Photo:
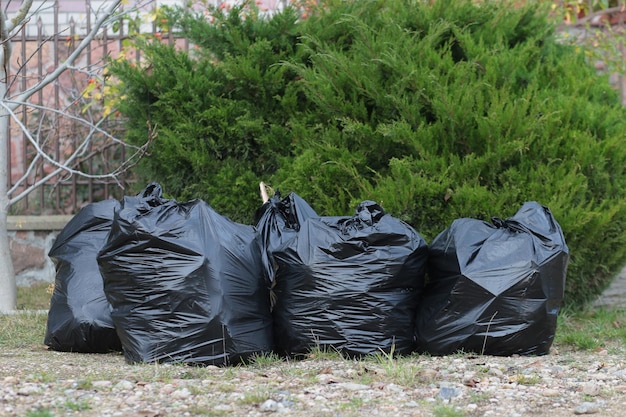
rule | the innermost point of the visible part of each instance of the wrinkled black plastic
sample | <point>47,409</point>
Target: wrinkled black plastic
<point>278,220</point>
<point>186,284</point>
<point>350,284</point>
<point>494,289</point>
<point>79,319</point>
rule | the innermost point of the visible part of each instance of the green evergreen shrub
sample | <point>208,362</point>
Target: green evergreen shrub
<point>221,110</point>
<point>436,112</point>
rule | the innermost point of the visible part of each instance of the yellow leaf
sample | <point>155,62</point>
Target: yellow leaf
<point>86,107</point>
<point>88,89</point>
<point>153,14</point>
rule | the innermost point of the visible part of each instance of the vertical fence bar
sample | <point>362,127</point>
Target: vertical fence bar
<point>23,86</point>
<point>40,170</point>
<point>73,131</point>
<point>89,51</point>
<point>105,53</point>
<point>8,144</point>
<point>120,46</point>
<point>57,98</point>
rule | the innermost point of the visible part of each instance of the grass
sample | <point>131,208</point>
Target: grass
<point>255,397</point>
<point>523,379</point>
<point>448,411</point>
<point>40,412</point>
<point>35,297</point>
<point>264,359</point>
<point>352,404</point>
<point>592,329</point>
<point>22,330</point>
<point>588,329</point>
<point>400,370</point>
<point>77,405</point>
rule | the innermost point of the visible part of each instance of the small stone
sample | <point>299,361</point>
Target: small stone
<point>124,385</point>
<point>471,407</point>
<point>351,386</point>
<point>448,393</point>
<point>147,413</point>
<point>269,406</point>
<point>181,394</point>
<point>10,380</point>
<point>327,378</point>
<point>246,375</point>
<point>132,399</point>
<point>427,374</point>
<point>591,389</point>
<point>222,407</point>
<point>28,390</point>
<point>101,384</point>
<point>587,408</point>
<point>557,370</point>
<point>550,392</point>
<point>167,389</point>
<point>393,388</point>
<point>620,374</point>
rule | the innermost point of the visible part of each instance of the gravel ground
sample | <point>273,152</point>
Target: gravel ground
<point>36,382</point>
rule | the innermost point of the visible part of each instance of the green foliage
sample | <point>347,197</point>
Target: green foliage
<point>222,114</point>
<point>436,112</point>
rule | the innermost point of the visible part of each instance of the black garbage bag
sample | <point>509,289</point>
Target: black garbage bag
<point>278,220</point>
<point>349,284</point>
<point>79,319</point>
<point>494,289</point>
<point>187,285</point>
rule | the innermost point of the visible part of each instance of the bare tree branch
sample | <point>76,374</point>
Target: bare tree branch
<point>74,158</point>
<point>66,167</point>
<point>52,76</point>
<point>61,112</point>
<point>63,165</point>
<point>132,161</point>
<point>20,17</point>
<point>5,52</point>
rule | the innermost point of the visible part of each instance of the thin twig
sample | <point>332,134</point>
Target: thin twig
<point>482,352</point>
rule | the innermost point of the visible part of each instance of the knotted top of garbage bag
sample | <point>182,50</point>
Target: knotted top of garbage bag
<point>368,213</point>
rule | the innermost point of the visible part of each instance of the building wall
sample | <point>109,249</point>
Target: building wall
<point>31,238</point>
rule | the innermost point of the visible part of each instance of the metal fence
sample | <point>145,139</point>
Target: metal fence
<point>54,114</point>
<point>39,49</point>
